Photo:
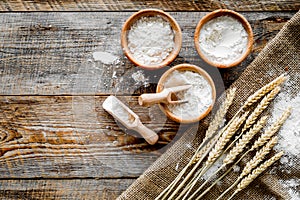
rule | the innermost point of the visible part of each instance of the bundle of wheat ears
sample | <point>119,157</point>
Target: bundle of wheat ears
<point>247,125</point>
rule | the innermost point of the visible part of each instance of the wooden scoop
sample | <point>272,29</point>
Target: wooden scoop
<point>128,118</point>
<point>166,96</point>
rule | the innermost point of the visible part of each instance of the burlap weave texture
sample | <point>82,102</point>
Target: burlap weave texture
<point>281,55</point>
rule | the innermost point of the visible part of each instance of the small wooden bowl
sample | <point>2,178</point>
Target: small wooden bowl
<point>150,13</point>
<point>215,14</point>
<point>186,67</point>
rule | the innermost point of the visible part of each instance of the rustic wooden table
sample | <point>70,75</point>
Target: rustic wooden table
<point>56,141</point>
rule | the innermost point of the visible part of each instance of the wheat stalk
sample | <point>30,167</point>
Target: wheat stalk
<point>205,149</point>
<point>216,123</point>
<point>223,140</point>
<point>259,156</point>
<point>227,133</point>
<point>247,180</point>
<point>219,116</point>
<point>271,130</point>
<point>213,139</point>
<point>235,151</point>
<point>246,138</point>
<point>216,152</point>
<point>264,90</point>
<point>260,108</point>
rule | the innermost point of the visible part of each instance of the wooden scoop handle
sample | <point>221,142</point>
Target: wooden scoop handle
<point>153,98</point>
<point>150,136</point>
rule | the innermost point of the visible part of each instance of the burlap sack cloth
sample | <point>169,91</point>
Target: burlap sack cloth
<point>279,56</point>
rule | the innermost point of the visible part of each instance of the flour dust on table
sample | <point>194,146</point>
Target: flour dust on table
<point>140,78</point>
<point>105,57</point>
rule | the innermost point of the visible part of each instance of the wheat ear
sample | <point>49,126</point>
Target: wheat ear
<point>223,140</point>
<point>260,108</point>
<point>247,180</point>
<point>220,115</point>
<point>264,90</point>
<point>246,138</point>
<point>259,156</point>
<point>236,150</point>
<point>216,152</point>
<point>205,149</point>
<point>216,123</point>
<point>271,130</point>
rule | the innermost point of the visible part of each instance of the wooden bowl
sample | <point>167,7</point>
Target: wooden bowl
<point>150,13</point>
<point>215,14</point>
<point>186,67</point>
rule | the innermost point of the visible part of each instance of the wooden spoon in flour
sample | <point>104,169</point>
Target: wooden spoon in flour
<point>128,118</point>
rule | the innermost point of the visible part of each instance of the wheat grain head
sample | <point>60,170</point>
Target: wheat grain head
<point>259,156</point>
<point>270,132</point>
<point>260,108</point>
<point>220,115</point>
<point>247,180</point>
<point>225,137</point>
<point>264,90</point>
<point>246,138</point>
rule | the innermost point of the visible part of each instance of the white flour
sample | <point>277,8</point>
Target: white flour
<point>105,57</point>
<point>112,104</point>
<point>291,186</point>
<point>289,135</point>
<point>150,40</point>
<point>139,78</point>
<point>223,40</point>
<point>199,96</point>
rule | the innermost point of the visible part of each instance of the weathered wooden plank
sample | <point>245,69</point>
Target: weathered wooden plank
<point>51,53</point>
<point>183,5</point>
<point>63,189</point>
<point>65,137</point>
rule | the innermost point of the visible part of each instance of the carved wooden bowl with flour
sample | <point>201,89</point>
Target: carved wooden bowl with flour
<point>151,39</point>
<point>198,99</point>
<point>223,38</point>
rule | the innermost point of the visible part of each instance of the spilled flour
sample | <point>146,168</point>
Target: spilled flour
<point>105,57</point>
<point>139,78</point>
<point>292,187</point>
<point>289,135</point>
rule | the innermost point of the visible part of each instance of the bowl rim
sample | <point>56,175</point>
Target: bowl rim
<point>186,67</point>
<point>215,14</point>
<point>152,12</point>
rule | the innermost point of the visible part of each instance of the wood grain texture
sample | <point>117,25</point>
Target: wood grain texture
<point>73,137</point>
<point>51,53</point>
<point>122,5</point>
<point>56,141</point>
<point>88,189</point>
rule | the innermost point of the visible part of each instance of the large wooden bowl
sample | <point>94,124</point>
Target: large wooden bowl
<point>186,67</point>
<point>215,14</point>
<point>150,13</point>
